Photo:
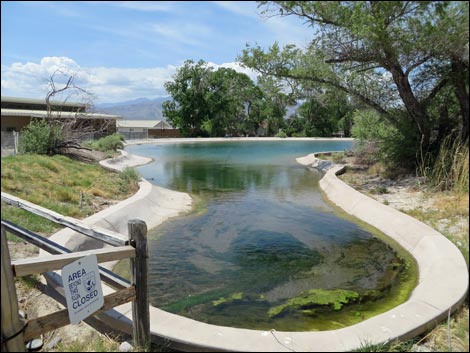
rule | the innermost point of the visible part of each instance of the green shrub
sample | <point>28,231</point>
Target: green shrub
<point>337,157</point>
<point>40,137</point>
<point>299,134</point>
<point>129,178</point>
<point>379,141</point>
<point>281,134</point>
<point>109,143</point>
<point>369,126</point>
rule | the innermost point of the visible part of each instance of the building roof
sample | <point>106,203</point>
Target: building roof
<point>54,114</point>
<point>41,101</point>
<point>148,124</point>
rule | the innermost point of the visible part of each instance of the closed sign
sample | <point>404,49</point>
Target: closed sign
<point>82,286</point>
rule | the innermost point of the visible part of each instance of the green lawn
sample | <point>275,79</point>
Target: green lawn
<point>66,186</point>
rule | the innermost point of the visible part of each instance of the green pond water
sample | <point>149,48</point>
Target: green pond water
<point>262,249</point>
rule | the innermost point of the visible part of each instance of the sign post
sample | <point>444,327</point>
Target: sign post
<point>82,286</point>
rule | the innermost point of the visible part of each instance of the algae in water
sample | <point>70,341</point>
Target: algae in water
<point>316,297</point>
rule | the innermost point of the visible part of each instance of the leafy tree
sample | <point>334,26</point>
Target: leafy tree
<point>267,107</point>
<point>408,60</point>
<point>229,94</point>
<point>223,102</point>
<point>326,112</point>
<point>189,107</point>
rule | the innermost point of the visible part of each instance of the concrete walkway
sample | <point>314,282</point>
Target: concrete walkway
<point>126,160</point>
<point>443,279</point>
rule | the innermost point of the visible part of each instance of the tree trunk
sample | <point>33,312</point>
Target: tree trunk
<point>459,74</point>
<point>412,105</point>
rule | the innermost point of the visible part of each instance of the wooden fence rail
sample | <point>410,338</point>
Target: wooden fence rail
<point>51,247</point>
<point>16,331</point>
<point>99,233</point>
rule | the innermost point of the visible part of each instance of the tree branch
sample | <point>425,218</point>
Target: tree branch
<point>358,95</point>
<point>416,64</point>
<point>435,91</point>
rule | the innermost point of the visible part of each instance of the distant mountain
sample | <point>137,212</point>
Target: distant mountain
<point>149,109</point>
<point>136,109</point>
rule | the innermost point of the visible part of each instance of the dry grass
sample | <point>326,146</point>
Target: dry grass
<point>94,342</point>
<point>450,169</point>
<point>439,340</point>
<point>452,204</point>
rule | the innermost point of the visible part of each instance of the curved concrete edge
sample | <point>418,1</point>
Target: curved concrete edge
<point>443,284</point>
<point>443,272</point>
<point>123,161</point>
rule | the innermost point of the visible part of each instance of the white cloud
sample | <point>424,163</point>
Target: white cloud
<point>289,30</point>
<point>147,6</point>
<point>107,84</point>
<point>185,33</point>
<point>237,67</point>
<point>247,9</point>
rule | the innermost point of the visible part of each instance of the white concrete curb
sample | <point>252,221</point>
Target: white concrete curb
<point>443,283</point>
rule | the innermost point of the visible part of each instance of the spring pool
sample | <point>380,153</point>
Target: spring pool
<point>262,249</point>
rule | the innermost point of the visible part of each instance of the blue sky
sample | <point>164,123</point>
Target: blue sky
<point>122,50</point>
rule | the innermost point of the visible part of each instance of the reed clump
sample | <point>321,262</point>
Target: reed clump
<point>449,170</point>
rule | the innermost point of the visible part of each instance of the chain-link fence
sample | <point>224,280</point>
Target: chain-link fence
<point>10,140</point>
<point>133,135</point>
<point>91,136</point>
<point>9,143</point>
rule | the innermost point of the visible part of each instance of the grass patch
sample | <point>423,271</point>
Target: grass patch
<point>394,346</point>
<point>129,178</point>
<point>66,186</point>
<point>450,169</point>
<point>109,144</point>
<point>30,281</point>
<point>458,340</point>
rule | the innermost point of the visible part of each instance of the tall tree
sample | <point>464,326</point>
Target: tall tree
<point>229,94</point>
<point>189,107</point>
<point>272,104</point>
<point>222,102</point>
<point>393,56</point>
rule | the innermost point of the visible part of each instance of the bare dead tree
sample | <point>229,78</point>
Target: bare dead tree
<point>73,125</point>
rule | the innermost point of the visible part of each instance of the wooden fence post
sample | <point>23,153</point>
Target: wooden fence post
<point>140,307</point>
<point>12,335</point>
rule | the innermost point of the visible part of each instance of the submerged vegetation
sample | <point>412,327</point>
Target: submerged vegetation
<point>308,301</point>
<point>233,297</point>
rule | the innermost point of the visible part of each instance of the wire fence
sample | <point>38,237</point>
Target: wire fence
<point>9,143</point>
<point>10,140</point>
<point>134,135</point>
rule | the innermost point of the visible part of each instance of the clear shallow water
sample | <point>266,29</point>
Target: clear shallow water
<point>261,236</point>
